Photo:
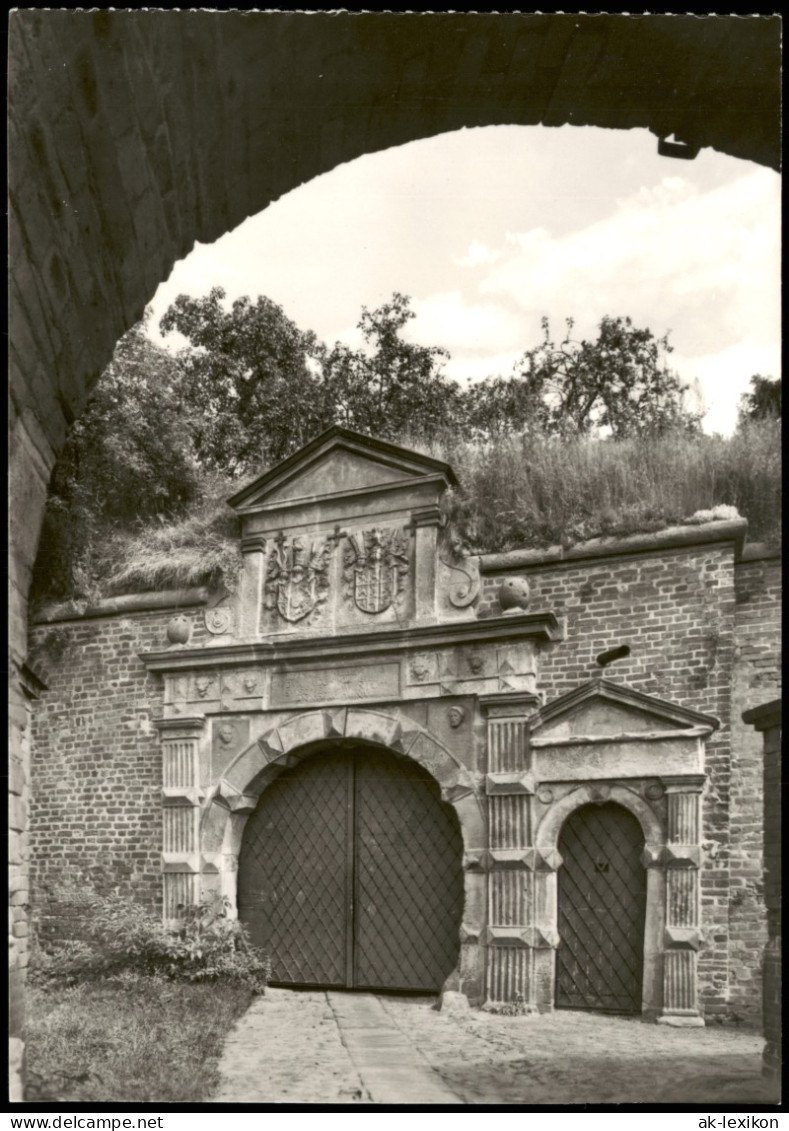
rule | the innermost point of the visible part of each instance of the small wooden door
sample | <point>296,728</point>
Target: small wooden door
<point>602,905</point>
<point>351,874</point>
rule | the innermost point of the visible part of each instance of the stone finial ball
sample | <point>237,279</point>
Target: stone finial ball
<point>179,629</point>
<point>514,594</point>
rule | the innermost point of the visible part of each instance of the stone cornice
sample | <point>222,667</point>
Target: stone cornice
<point>540,627</point>
<point>764,717</point>
<point>173,599</point>
<point>623,736</point>
<point>673,537</point>
<point>192,725</point>
<point>676,716</point>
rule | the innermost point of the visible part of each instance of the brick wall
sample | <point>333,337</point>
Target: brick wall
<point>756,678</point>
<point>96,775</point>
<point>766,718</point>
<point>96,815</point>
<point>771,983</point>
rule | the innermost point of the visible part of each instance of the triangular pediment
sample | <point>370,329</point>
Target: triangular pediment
<point>339,463</point>
<point>602,708</point>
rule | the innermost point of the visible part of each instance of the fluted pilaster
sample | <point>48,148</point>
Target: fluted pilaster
<point>180,813</point>
<point>511,936</point>
<point>682,857</point>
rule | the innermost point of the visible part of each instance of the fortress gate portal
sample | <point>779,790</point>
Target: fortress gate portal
<point>365,766</point>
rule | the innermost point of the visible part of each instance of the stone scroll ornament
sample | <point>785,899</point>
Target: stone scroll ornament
<point>462,594</point>
<point>297,578</point>
<point>375,568</point>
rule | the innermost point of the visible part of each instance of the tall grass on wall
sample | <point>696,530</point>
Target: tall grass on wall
<point>534,490</point>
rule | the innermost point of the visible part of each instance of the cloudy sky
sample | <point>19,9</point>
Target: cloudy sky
<point>490,229</point>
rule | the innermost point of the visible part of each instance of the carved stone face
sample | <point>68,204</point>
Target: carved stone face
<point>203,685</point>
<point>456,716</point>
<point>250,683</point>
<point>476,662</point>
<point>226,734</point>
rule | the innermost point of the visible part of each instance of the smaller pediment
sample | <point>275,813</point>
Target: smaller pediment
<point>601,708</point>
<point>337,464</point>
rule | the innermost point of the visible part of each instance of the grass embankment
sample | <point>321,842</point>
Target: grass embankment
<point>132,1039</point>
<point>532,491</point>
<point>518,491</point>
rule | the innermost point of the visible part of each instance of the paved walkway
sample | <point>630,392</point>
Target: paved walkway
<point>315,1047</point>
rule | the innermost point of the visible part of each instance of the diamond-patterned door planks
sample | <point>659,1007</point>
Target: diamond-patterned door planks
<point>409,878</point>
<point>294,890</point>
<point>602,903</point>
<point>351,875</point>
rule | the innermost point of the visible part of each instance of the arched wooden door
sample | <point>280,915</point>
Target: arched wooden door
<point>602,904</point>
<point>350,874</point>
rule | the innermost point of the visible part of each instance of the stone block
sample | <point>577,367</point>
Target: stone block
<point>302,731</point>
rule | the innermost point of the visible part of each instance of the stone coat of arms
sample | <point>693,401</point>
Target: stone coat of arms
<point>297,578</point>
<point>375,568</point>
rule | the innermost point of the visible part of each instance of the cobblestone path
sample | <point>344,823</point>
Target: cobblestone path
<point>342,1048</point>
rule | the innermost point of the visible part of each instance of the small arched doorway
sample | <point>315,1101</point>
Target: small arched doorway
<point>350,874</point>
<point>601,911</point>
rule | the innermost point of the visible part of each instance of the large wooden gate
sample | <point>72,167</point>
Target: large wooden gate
<point>351,874</point>
<point>602,903</point>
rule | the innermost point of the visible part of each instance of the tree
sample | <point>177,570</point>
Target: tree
<point>618,385</point>
<point>250,376</point>
<point>763,402</point>
<point>129,457</point>
<point>394,386</point>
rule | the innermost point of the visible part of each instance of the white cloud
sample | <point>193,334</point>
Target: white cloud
<point>702,264</point>
<point>469,368</point>
<point>477,255</point>
<point>448,320</point>
<point>725,376</point>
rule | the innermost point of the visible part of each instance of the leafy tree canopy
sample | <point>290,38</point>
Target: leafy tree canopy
<point>392,386</point>
<point>129,457</point>
<point>618,384</point>
<point>763,401</point>
<point>248,375</point>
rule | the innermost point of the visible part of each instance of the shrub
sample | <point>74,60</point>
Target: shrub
<point>122,937</point>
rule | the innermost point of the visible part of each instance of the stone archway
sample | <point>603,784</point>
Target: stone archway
<point>236,795</point>
<point>350,872</point>
<point>133,134</point>
<point>547,842</point>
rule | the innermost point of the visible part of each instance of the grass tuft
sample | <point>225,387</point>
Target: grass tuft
<point>200,549</point>
<point>130,1039</point>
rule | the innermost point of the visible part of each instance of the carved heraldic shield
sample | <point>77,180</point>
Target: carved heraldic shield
<point>376,564</point>
<point>297,577</point>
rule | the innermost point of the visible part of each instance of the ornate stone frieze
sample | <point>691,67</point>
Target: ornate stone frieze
<point>297,578</point>
<point>375,567</point>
